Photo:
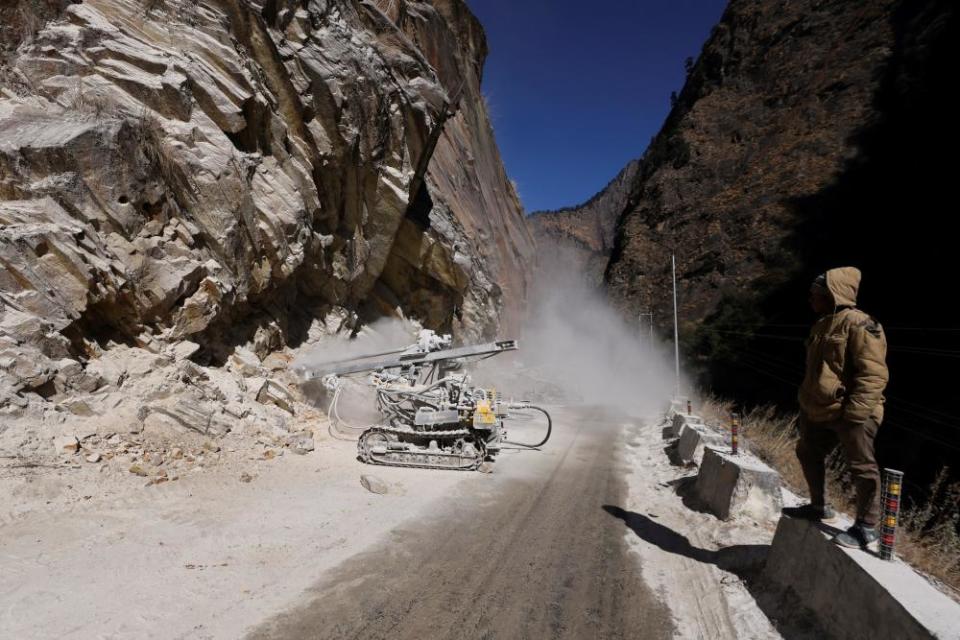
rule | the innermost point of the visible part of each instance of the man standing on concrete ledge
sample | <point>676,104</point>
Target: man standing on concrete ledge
<point>841,400</point>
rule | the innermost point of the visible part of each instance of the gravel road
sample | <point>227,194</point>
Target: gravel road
<point>529,552</point>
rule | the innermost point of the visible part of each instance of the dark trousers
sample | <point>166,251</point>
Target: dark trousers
<point>818,439</point>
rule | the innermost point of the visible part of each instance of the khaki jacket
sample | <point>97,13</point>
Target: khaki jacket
<point>846,370</point>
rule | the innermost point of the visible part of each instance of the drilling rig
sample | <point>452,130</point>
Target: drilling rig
<point>431,414</point>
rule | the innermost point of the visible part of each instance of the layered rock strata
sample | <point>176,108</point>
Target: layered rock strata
<point>235,172</point>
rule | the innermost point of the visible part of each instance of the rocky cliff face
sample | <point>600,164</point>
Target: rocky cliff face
<point>241,174</point>
<point>808,135</point>
<point>468,210</point>
<point>586,232</point>
<point>767,116</point>
<point>781,155</point>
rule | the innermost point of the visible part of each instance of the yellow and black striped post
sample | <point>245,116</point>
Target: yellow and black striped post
<point>734,433</point>
<point>890,499</point>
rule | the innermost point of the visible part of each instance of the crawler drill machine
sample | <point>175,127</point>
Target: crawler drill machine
<point>432,416</point>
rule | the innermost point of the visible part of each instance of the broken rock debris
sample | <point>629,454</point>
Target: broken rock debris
<point>373,484</point>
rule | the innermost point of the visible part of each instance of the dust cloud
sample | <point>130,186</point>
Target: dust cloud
<point>385,334</point>
<point>576,349</point>
<point>356,405</point>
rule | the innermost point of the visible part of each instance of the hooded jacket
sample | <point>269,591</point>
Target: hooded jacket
<point>846,371</point>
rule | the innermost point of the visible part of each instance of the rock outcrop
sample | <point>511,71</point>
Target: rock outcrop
<point>767,116</point>
<point>586,232</point>
<point>808,135</point>
<point>789,105</point>
<point>237,173</point>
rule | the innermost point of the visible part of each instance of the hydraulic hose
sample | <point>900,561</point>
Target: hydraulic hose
<point>545,438</point>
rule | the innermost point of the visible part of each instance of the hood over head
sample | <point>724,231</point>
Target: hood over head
<point>843,284</point>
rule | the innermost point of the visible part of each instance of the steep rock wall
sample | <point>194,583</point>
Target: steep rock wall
<point>468,208</point>
<point>234,172</point>
<point>586,232</point>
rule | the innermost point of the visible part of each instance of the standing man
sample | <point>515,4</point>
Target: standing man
<point>841,400</point>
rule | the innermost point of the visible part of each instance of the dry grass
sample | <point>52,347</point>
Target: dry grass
<point>929,534</point>
<point>151,137</point>
<point>86,101</point>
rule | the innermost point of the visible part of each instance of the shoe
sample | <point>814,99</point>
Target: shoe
<point>859,536</point>
<point>812,512</point>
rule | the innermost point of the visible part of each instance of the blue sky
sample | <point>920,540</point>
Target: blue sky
<point>577,89</point>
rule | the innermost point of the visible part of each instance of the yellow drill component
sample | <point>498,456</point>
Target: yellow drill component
<point>484,414</point>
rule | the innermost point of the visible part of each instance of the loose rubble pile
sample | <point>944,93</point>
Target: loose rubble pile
<point>159,415</point>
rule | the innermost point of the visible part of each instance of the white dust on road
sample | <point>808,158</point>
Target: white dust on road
<point>677,556</point>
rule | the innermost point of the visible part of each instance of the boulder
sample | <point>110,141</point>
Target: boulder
<point>67,444</point>
<point>245,361</point>
<point>373,484</point>
<point>272,392</point>
<point>301,443</point>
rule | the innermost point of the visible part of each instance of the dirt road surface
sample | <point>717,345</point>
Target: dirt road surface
<point>528,552</point>
<point>303,550</point>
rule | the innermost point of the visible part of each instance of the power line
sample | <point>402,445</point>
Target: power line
<point>895,425</point>
<point>906,349</point>
<point>792,366</point>
<point>771,365</point>
<point>901,409</point>
<point>755,335</point>
<point>921,407</point>
<point>770,373</point>
<point>926,436</point>
<point>925,351</point>
<point>807,326</point>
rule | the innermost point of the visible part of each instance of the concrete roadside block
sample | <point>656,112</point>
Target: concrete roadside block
<point>853,593</point>
<point>677,405</point>
<point>693,439</point>
<point>679,420</point>
<point>731,485</point>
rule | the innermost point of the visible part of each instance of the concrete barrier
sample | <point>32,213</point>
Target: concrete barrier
<point>693,439</point>
<point>679,420</point>
<point>677,405</point>
<point>731,485</point>
<point>854,594</point>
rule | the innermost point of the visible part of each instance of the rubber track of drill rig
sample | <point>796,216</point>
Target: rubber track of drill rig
<point>369,459</point>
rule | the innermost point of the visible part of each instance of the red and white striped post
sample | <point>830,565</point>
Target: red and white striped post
<point>689,408</point>
<point>890,499</point>
<point>734,433</point>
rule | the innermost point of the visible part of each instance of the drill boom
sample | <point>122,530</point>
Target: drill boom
<point>403,360</point>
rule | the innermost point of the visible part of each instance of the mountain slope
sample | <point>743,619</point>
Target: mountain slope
<point>808,135</point>
<point>586,232</point>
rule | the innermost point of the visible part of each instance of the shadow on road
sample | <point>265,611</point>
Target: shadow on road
<point>744,558</point>
<point>745,561</point>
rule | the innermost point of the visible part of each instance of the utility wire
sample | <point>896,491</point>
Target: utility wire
<point>899,404</point>
<point>920,407</point>
<point>807,326</point>
<point>770,373</point>
<point>906,349</point>
<point>769,369</point>
<point>767,366</point>
<point>926,436</point>
<point>755,335</point>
